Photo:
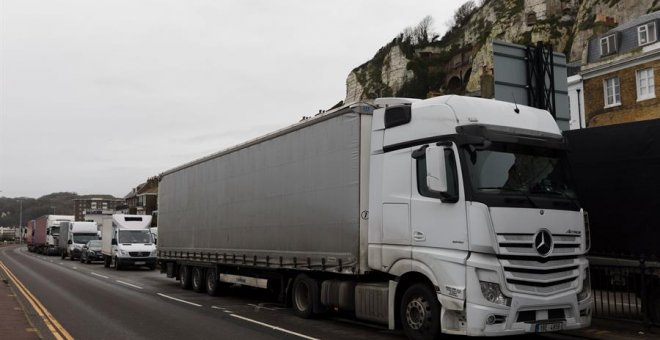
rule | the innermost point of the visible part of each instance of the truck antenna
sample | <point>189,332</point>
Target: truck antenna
<point>516,110</point>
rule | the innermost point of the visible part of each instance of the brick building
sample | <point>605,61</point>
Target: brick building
<point>81,205</point>
<point>143,199</point>
<point>622,68</point>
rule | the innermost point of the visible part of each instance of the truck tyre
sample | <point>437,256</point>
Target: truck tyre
<point>305,296</point>
<point>81,259</point>
<point>117,265</point>
<point>198,279</point>
<point>419,312</point>
<point>63,254</point>
<point>213,286</point>
<point>106,261</point>
<point>185,277</point>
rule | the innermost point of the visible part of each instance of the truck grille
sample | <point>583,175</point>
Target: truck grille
<point>139,253</point>
<point>523,244</point>
<point>525,271</point>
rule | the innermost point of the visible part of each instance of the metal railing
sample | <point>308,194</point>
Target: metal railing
<point>623,291</point>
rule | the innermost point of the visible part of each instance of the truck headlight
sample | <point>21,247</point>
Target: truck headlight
<point>493,293</point>
<point>586,287</point>
<point>121,252</point>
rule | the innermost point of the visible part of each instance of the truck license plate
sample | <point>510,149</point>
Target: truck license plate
<point>139,263</point>
<point>548,327</point>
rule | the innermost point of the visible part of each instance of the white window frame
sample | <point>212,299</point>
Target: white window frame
<point>616,92</point>
<point>649,32</point>
<point>610,49</point>
<point>650,84</point>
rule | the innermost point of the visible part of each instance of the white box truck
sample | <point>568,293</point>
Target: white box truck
<point>74,235</point>
<point>445,215</point>
<point>127,241</point>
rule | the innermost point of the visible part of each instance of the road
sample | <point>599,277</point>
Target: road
<point>93,302</point>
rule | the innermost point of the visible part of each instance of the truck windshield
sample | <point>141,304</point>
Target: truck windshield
<point>134,236</point>
<point>514,169</point>
<point>84,238</point>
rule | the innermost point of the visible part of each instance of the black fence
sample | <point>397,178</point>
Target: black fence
<point>626,292</point>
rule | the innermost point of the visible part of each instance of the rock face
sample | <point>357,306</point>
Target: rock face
<point>456,62</point>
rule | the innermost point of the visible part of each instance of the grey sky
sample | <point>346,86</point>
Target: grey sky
<point>97,96</point>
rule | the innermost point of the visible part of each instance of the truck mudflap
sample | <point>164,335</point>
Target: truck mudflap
<point>529,314</point>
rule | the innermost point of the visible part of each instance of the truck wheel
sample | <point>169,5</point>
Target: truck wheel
<point>81,259</point>
<point>198,279</point>
<point>185,277</point>
<point>305,297</point>
<point>72,258</point>
<point>117,265</point>
<point>63,254</point>
<point>106,261</point>
<point>420,312</point>
<point>213,286</point>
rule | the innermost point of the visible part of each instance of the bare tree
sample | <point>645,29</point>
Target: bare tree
<point>464,12</point>
<point>420,34</point>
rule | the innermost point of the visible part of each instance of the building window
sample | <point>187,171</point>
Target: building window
<point>646,33</point>
<point>612,92</point>
<point>93,205</point>
<point>645,84</point>
<point>608,45</point>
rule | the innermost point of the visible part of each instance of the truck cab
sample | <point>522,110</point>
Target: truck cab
<point>74,235</point>
<point>127,241</point>
<point>471,209</point>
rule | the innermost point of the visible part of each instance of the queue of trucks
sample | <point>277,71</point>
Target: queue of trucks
<point>449,215</point>
<point>127,240</point>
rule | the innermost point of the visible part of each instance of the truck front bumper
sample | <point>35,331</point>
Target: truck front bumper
<point>137,261</point>
<point>529,314</point>
<point>525,312</point>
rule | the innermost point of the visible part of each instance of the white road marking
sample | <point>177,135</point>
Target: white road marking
<point>62,263</point>
<point>75,267</point>
<point>99,275</point>
<point>129,284</point>
<point>175,299</point>
<point>259,306</point>
<point>227,311</point>
<point>273,327</point>
<point>216,307</point>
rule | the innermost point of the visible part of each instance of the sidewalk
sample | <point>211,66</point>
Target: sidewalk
<point>616,330</point>
<point>14,323</point>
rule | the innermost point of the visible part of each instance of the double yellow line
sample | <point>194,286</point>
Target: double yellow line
<point>58,331</point>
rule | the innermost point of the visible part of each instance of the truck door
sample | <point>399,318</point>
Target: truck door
<point>439,222</point>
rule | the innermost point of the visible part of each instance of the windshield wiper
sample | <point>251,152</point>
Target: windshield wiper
<point>523,192</point>
<point>556,192</point>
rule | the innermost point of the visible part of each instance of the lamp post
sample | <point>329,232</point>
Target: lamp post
<point>20,221</point>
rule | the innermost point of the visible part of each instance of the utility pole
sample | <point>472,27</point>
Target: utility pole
<point>20,222</point>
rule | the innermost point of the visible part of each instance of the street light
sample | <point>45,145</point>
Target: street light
<point>20,222</point>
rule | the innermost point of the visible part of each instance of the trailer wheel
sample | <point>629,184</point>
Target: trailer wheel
<point>106,261</point>
<point>305,296</point>
<point>213,286</point>
<point>198,279</point>
<point>420,312</point>
<point>185,277</point>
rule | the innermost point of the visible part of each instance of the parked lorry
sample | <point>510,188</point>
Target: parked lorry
<point>445,215</point>
<point>127,241</point>
<point>73,236</point>
<point>617,175</point>
<point>47,232</point>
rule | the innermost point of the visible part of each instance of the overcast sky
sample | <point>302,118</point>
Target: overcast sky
<point>97,96</point>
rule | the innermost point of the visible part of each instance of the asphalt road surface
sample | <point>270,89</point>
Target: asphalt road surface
<point>93,302</point>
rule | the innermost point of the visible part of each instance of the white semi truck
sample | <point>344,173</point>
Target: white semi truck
<point>74,235</point>
<point>127,241</point>
<point>446,215</point>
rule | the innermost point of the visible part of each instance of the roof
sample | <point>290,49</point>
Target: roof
<point>635,22</point>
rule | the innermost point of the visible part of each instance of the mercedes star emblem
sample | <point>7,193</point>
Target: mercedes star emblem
<point>543,242</point>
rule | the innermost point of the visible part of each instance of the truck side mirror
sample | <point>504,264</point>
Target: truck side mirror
<point>114,242</point>
<point>436,179</point>
<point>69,242</point>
